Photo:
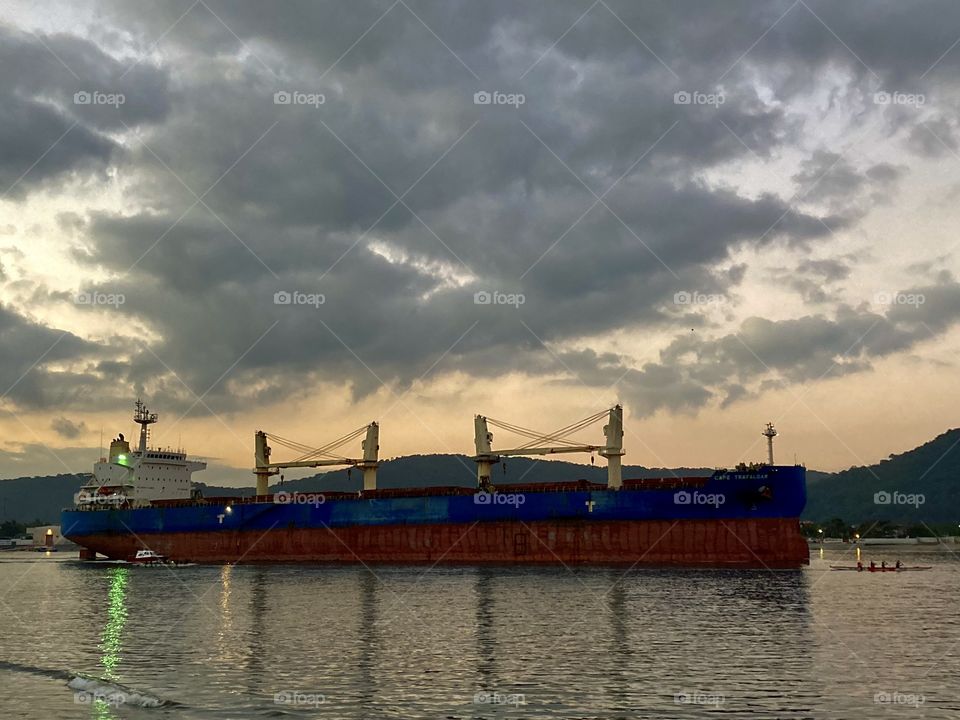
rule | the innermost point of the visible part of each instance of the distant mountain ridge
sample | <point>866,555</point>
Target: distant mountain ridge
<point>931,470</point>
<point>883,491</point>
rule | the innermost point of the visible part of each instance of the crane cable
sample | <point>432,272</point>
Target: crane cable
<point>558,436</point>
<point>309,453</point>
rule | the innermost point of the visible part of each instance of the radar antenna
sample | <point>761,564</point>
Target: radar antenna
<point>144,418</point>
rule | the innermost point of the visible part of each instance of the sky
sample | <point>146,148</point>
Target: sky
<point>304,217</point>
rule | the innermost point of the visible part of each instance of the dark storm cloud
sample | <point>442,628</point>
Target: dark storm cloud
<point>829,270</point>
<point>798,350</point>
<point>30,352</point>
<point>934,138</point>
<point>816,280</point>
<point>58,95</point>
<point>834,181</point>
<point>589,199</point>
<point>66,428</point>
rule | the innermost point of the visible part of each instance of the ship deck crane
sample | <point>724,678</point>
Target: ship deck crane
<point>552,443</point>
<point>319,457</point>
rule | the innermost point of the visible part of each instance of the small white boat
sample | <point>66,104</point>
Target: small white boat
<point>148,557</point>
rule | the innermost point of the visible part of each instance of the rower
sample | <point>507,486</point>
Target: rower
<point>859,565</point>
<point>899,565</point>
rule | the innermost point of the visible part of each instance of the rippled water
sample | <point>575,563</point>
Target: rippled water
<point>307,641</point>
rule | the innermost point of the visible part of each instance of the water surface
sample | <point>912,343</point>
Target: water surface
<point>351,642</point>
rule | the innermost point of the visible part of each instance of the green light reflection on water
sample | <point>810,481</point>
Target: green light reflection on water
<point>112,638</point>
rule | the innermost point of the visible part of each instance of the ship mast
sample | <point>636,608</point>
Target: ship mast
<point>770,433</point>
<point>143,418</point>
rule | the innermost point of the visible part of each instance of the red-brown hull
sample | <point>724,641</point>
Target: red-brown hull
<point>759,543</point>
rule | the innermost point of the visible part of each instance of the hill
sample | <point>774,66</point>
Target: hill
<point>26,499</point>
<point>920,485</point>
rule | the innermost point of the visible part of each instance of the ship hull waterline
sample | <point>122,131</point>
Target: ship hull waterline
<point>774,543</point>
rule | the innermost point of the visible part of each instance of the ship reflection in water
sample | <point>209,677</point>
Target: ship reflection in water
<point>470,642</point>
<point>464,642</point>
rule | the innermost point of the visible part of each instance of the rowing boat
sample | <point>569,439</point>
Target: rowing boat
<point>877,568</point>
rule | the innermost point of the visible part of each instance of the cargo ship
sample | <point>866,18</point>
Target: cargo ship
<point>144,500</point>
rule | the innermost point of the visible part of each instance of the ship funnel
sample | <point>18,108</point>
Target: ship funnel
<point>118,447</point>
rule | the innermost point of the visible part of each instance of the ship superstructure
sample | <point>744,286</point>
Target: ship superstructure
<point>136,478</point>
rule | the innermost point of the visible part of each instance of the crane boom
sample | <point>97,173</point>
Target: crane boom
<point>369,463</point>
<point>613,449</point>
